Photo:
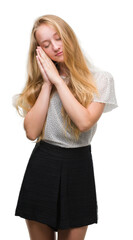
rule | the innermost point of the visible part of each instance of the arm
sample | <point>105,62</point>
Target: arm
<point>34,119</point>
<point>84,118</point>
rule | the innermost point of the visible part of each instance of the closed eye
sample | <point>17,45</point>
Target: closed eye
<point>48,45</point>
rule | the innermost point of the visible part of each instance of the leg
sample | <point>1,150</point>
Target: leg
<point>40,231</point>
<point>72,233</point>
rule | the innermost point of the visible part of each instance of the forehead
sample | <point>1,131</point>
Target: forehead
<point>44,32</point>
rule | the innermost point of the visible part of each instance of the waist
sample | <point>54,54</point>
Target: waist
<point>56,148</point>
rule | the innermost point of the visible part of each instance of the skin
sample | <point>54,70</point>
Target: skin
<point>39,231</point>
<point>83,117</point>
<point>51,44</point>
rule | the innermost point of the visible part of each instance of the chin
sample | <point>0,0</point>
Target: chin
<point>59,60</point>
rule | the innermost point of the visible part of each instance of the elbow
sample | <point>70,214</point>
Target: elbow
<point>29,133</point>
<point>30,136</point>
<point>82,128</point>
<point>85,127</point>
<point>85,123</point>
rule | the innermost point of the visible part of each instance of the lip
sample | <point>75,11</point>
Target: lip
<point>58,54</point>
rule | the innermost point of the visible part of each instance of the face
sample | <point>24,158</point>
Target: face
<point>50,41</point>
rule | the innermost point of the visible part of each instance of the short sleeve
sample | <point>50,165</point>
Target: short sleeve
<point>105,84</point>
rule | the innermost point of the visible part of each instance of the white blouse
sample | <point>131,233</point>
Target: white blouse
<point>105,85</point>
<point>54,127</point>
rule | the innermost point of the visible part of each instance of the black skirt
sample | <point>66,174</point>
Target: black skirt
<point>58,187</point>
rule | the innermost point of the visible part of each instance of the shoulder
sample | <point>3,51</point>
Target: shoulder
<point>103,80</point>
<point>102,76</point>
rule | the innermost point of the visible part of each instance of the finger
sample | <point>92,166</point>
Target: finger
<point>43,56</point>
<point>44,62</point>
<point>40,59</point>
<point>39,64</point>
<point>38,52</point>
<point>42,53</point>
<point>40,48</point>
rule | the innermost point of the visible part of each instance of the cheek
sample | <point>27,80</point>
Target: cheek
<point>46,51</point>
<point>61,45</point>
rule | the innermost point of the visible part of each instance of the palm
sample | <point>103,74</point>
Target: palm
<point>47,65</point>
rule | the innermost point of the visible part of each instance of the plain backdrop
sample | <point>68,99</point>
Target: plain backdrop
<point>105,32</point>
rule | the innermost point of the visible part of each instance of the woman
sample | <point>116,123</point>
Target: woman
<point>62,101</point>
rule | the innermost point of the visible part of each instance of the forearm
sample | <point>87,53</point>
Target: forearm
<point>78,113</point>
<point>35,118</point>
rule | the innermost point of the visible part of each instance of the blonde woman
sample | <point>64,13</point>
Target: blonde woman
<point>61,103</point>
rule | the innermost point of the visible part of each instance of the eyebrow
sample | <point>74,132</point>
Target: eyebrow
<point>48,40</point>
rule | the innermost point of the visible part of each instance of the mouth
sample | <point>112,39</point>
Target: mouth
<point>58,54</point>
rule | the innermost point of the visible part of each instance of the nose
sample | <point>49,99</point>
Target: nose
<point>55,46</point>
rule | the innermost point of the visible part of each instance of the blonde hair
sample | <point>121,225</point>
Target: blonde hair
<point>81,84</point>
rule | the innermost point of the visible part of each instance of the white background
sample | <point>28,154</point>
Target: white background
<point>105,31</point>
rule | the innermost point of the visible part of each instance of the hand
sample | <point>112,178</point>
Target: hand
<point>47,66</point>
<point>43,73</point>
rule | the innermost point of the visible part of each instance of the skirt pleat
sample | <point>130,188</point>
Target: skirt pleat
<point>58,187</point>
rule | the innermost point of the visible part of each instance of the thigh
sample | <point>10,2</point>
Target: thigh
<point>39,231</point>
<point>77,233</point>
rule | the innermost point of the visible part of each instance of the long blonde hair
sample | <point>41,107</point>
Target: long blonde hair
<point>81,84</point>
